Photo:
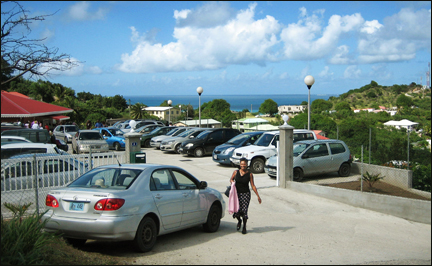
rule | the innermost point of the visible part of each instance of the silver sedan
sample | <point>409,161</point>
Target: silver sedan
<point>135,202</point>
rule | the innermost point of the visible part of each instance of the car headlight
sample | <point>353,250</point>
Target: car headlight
<point>189,145</point>
<point>244,155</point>
<point>105,146</point>
<point>170,142</point>
<point>227,151</point>
<point>82,146</point>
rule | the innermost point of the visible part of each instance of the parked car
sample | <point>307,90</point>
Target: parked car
<point>174,143</point>
<point>113,136</point>
<point>156,141</point>
<point>52,170</point>
<point>207,141</point>
<point>145,138</point>
<point>264,148</point>
<point>85,140</point>
<point>139,123</point>
<point>136,202</point>
<point>34,135</point>
<point>13,139</point>
<point>65,132</point>
<point>9,150</point>
<point>222,153</point>
<point>313,157</point>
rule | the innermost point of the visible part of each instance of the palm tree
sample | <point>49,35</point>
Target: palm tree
<point>137,111</point>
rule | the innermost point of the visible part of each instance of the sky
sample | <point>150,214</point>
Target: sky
<point>235,48</point>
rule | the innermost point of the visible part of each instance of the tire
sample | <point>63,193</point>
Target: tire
<point>257,166</point>
<point>146,234</point>
<point>177,147</point>
<point>298,174</point>
<point>344,170</point>
<point>147,143</point>
<point>199,152</point>
<point>75,242</point>
<point>117,146</point>
<point>213,219</point>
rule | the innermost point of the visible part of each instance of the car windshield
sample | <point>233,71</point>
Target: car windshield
<point>203,135</point>
<point>90,136</point>
<point>71,129</point>
<point>264,140</point>
<point>239,139</point>
<point>156,130</point>
<point>103,178</point>
<point>185,133</point>
<point>299,148</point>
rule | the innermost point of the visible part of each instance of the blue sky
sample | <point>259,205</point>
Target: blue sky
<point>232,48</point>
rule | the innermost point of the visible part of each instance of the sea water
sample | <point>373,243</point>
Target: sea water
<point>237,102</point>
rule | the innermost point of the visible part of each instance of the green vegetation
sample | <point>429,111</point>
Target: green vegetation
<point>23,242</point>
<point>371,179</point>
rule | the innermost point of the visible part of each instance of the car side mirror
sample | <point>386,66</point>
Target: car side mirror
<point>191,137</point>
<point>203,185</point>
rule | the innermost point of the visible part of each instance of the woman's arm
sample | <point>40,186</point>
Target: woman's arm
<point>233,176</point>
<point>254,187</point>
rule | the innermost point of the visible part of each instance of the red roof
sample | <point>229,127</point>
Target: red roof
<point>19,106</point>
<point>318,134</point>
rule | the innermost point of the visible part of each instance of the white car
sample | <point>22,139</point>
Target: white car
<point>65,132</point>
<point>265,147</point>
<point>156,141</point>
<point>9,150</point>
<point>13,139</point>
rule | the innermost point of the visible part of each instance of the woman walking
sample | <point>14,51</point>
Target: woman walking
<point>242,177</point>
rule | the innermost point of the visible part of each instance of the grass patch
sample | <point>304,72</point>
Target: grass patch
<point>23,242</point>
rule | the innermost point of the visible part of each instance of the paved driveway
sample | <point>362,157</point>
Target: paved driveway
<point>287,228</point>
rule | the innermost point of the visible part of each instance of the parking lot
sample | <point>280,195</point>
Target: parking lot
<point>287,228</point>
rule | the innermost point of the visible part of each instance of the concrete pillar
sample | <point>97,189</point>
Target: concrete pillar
<point>133,144</point>
<point>285,155</point>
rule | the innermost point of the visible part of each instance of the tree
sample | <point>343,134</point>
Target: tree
<point>320,105</point>
<point>137,111</point>
<point>404,101</point>
<point>22,53</point>
<point>269,107</point>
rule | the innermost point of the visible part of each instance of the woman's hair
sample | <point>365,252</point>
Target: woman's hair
<point>243,159</point>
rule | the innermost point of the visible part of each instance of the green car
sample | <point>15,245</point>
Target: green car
<point>145,138</point>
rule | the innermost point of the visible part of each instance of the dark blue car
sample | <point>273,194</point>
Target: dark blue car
<point>223,153</point>
<point>113,136</point>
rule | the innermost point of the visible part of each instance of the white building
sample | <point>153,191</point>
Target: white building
<point>163,112</point>
<point>291,109</point>
<point>403,123</point>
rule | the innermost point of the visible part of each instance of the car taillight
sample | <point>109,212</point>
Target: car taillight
<point>51,201</point>
<point>109,204</point>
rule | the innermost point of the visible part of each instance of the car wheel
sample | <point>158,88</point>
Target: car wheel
<point>75,242</point>
<point>177,148</point>
<point>117,146</point>
<point>213,219</point>
<point>199,152</point>
<point>145,237</point>
<point>344,170</point>
<point>147,143</point>
<point>257,166</point>
<point>298,174</point>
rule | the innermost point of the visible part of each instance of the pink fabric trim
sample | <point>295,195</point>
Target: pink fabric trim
<point>233,202</point>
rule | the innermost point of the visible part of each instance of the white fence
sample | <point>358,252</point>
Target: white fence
<point>30,177</point>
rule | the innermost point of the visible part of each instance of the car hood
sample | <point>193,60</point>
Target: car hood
<point>92,141</point>
<point>252,148</point>
<point>225,146</point>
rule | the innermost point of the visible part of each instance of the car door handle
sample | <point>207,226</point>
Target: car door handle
<point>158,196</point>
<point>185,194</point>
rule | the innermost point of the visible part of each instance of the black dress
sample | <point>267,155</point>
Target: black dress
<point>243,192</point>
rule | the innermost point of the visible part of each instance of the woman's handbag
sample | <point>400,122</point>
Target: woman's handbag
<point>227,191</point>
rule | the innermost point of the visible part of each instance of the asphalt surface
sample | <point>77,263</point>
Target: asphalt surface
<point>289,227</point>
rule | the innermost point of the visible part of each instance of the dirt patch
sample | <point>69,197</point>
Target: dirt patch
<point>379,188</point>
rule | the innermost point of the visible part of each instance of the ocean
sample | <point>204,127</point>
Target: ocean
<point>237,102</point>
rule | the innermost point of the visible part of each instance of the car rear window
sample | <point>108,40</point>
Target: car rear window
<point>107,178</point>
<point>7,153</point>
<point>337,148</point>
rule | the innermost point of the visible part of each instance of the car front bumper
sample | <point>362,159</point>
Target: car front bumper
<point>270,170</point>
<point>167,147</point>
<point>222,159</point>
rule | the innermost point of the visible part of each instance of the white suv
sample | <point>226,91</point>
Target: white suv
<point>264,148</point>
<point>9,150</point>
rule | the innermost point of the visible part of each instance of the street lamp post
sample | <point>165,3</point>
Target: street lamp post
<point>169,111</point>
<point>199,90</point>
<point>309,81</point>
<point>180,111</point>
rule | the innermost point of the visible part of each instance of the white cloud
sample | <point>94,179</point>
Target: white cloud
<point>245,41</point>
<point>352,72</point>
<point>371,26</point>
<point>326,73</point>
<point>94,70</point>
<point>80,11</point>
<point>307,40</point>
<point>284,75</point>
<point>341,56</point>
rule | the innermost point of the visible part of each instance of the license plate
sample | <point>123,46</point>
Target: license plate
<point>95,147</point>
<point>76,206</point>
<point>215,157</point>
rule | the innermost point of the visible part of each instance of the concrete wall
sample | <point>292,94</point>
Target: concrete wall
<point>410,209</point>
<point>394,176</point>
